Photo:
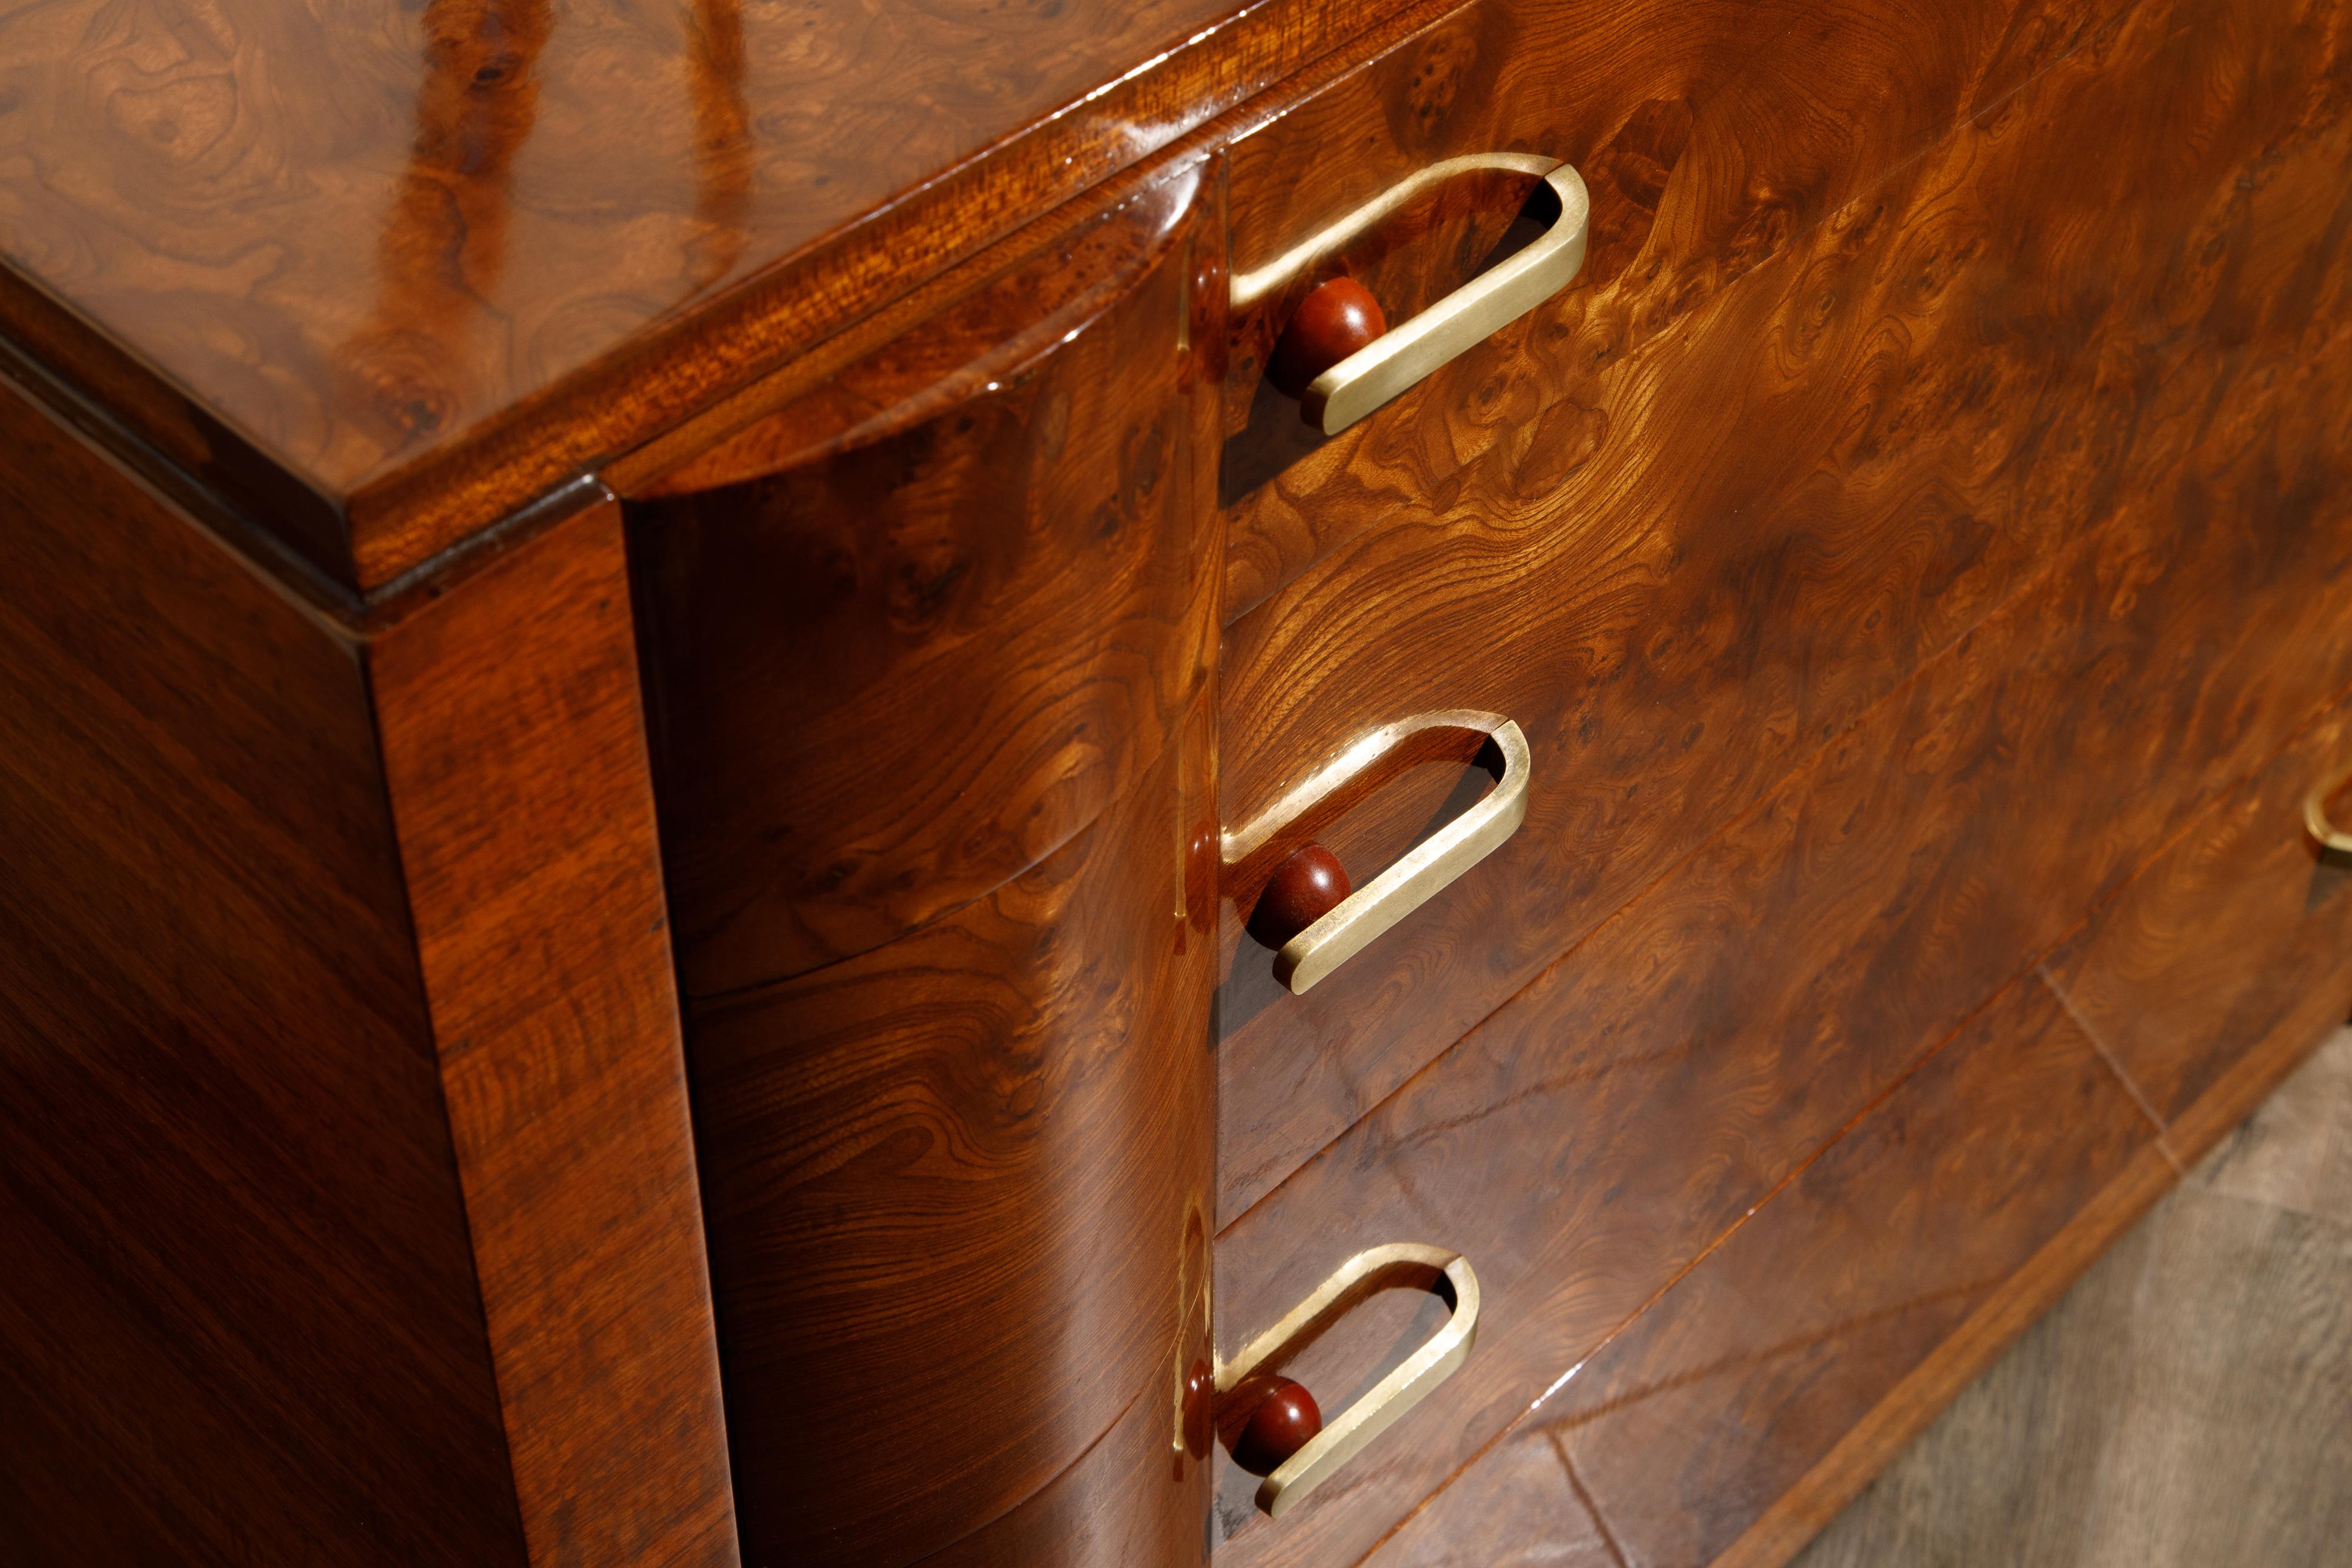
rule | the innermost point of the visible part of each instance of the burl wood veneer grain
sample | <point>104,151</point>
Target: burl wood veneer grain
<point>1690,1473</point>
<point>908,635</point>
<point>1712,137</point>
<point>385,272</point>
<point>241,1312</point>
<point>1650,1088</point>
<point>514,756</point>
<point>958,1197</point>
<point>1728,546</point>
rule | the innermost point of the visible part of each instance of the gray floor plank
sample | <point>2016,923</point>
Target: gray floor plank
<point>2190,1403</point>
<point>2295,1152</point>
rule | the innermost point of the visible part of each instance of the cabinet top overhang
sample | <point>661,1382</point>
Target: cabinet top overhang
<point>380,273</point>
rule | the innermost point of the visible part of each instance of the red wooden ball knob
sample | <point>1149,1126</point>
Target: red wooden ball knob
<point>1340,317</point>
<point>1302,891</point>
<point>1280,1425</point>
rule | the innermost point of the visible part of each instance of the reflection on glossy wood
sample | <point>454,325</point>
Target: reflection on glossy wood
<point>1717,1400</point>
<point>261,211</point>
<point>908,635</point>
<point>514,757</point>
<point>949,1185</point>
<point>1930,403</point>
<point>2243,926</point>
<point>228,1185</point>
<point>1712,137</point>
<point>444,243</point>
<point>1653,1085</point>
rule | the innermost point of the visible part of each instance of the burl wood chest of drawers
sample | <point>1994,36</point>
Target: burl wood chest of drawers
<point>776,777</point>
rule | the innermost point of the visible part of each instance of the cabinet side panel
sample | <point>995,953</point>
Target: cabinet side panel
<point>238,1307</point>
<point>515,754</point>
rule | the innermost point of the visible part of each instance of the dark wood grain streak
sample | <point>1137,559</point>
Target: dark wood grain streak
<point>239,1306</point>
<point>208,221</point>
<point>1929,401</point>
<point>959,1202</point>
<point>906,637</point>
<point>514,756</point>
<point>1712,137</point>
<point>1648,1089</point>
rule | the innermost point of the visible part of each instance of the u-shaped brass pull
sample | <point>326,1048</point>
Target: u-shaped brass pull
<point>1393,363</point>
<point>2315,820</point>
<point>1405,1386</point>
<point>1389,897</point>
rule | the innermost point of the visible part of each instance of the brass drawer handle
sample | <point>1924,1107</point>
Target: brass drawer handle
<point>1407,1386</point>
<point>1390,363</point>
<point>2323,832</point>
<point>1397,892</point>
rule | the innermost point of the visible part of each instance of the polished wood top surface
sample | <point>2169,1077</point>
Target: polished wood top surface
<point>383,272</point>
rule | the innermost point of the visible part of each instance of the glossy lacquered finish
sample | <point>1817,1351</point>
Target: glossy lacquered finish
<point>402,268</point>
<point>200,1086</point>
<point>1711,140</point>
<point>950,930</point>
<point>1698,1047</point>
<point>286,1119</point>
<point>907,635</point>
<point>523,820</point>
<point>1674,630</point>
<point>1714,1406</point>
<point>1782,734</point>
<point>1757,1394</point>
<point>957,1191</point>
<point>2239,932</point>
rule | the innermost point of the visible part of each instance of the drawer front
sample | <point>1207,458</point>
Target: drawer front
<point>905,636</point>
<point>1587,1141</point>
<point>1889,1265</point>
<point>1709,1413</point>
<point>1711,136</point>
<point>1720,552</point>
<point>956,1195</point>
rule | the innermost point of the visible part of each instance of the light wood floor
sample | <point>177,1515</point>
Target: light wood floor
<point>2188,1405</point>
